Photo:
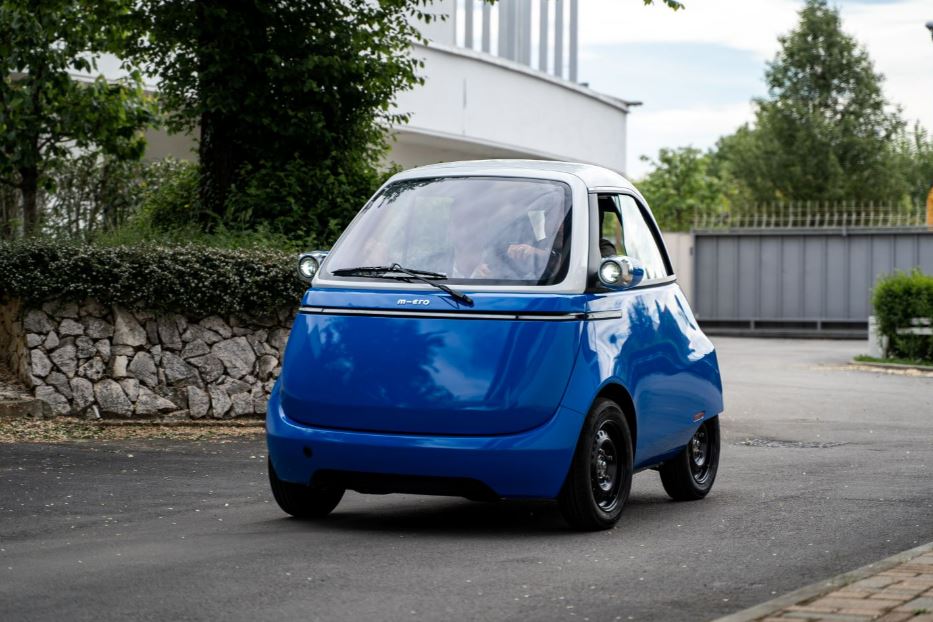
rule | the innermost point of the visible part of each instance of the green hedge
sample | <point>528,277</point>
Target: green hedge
<point>898,299</point>
<point>195,280</point>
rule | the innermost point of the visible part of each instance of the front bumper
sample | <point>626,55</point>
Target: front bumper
<point>529,464</point>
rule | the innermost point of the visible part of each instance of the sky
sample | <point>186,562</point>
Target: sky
<point>696,70</point>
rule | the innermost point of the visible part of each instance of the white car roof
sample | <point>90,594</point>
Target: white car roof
<point>595,177</point>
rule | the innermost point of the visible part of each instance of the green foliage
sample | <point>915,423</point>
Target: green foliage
<point>45,114</point>
<point>93,192</point>
<point>168,193</point>
<point>292,100</point>
<point>825,132</point>
<point>683,185</point>
<point>190,279</point>
<point>914,162</point>
<point>897,300</point>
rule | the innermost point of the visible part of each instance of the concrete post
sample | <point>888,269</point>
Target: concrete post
<point>487,27</point>
<point>559,38</point>
<point>572,74</point>
<point>468,24</point>
<point>544,6</point>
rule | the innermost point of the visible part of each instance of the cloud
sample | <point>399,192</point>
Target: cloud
<point>746,25</point>
<point>892,31</point>
<point>680,127</point>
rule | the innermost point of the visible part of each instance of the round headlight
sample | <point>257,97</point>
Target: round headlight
<point>610,273</point>
<point>308,266</point>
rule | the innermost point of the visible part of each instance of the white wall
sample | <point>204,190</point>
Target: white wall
<point>680,250</point>
<point>473,102</point>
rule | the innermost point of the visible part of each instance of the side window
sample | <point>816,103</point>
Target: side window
<point>637,238</point>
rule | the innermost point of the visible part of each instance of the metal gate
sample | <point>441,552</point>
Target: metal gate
<point>793,281</point>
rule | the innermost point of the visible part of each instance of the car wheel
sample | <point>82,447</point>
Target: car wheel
<point>303,501</point>
<point>691,474</point>
<point>600,478</point>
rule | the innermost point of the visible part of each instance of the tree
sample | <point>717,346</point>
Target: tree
<point>684,184</point>
<point>825,132</point>
<point>292,99</point>
<point>914,153</point>
<point>45,113</point>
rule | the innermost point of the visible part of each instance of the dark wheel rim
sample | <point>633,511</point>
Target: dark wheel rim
<point>699,453</point>
<point>606,467</point>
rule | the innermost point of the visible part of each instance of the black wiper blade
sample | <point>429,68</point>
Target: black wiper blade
<point>423,276</point>
<point>366,270</point>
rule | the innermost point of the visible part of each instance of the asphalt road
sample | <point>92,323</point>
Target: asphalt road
<point>823,470</point>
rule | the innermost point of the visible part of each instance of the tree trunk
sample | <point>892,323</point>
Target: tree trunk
<point>29,188</point>
<point>218,165</point>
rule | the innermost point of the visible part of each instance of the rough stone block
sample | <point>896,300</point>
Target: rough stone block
<point>217,325</point>
<point>71,327</point>
<point>40,365</point>
<point>118,369</point>
<point>112,399</point>
<point>126,330</point>
<point>220,401</point>
<point>85,347</point>
<point>237,356</point>
<point>143,368</point>
<point>176,370</point>
<point>82,392</point>
<point>54,403</point>
<point>130,386</point>
<point>96,328</point>
<point>60,382</point>
<point>195,348</point>
<point>103,349</point>
<point>210,367</point>
<point>199,402</point>
<point>93,370</point>
<point>51,341</point>
<point>149,403</point>
<point>36,321</point>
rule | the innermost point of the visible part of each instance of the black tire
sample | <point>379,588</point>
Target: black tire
<point>600,477</point>
<point>690,475</point>
<point>303,501</point>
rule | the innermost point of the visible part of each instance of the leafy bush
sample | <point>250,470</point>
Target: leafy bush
<point>898,299</point>
<point>189,279</point>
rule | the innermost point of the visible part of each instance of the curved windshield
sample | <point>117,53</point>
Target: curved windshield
<point>474,230</point>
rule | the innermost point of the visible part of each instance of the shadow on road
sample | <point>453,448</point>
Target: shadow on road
<point>459,517</point>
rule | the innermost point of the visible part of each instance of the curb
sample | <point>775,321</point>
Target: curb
<point>826,585</point>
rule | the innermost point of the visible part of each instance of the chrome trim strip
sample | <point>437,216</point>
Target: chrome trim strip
<point>464,315</point>
<point>604,315</point>
<point>449,315</point>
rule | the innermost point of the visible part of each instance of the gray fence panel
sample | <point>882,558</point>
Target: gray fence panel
<point>801,278</point>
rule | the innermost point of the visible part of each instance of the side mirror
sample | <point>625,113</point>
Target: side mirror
<point>309,264</point>
<point>621,272</point>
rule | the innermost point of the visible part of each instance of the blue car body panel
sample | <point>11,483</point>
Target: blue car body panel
<point>428,375</point>
<point>389,379</point>
<point>501,401</point>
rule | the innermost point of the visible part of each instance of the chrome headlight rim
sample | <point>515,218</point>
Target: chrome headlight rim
<point>309,265</point>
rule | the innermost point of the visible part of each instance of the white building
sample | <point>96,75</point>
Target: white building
<point>500,82</point>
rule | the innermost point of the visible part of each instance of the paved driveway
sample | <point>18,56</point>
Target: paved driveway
<point>823,470</point>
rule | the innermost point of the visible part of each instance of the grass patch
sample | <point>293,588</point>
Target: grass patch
<point>864,358</point>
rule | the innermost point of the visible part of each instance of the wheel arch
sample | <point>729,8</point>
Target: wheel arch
<point>620,395</point>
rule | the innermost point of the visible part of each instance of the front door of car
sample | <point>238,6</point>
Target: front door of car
<point>651,344</point>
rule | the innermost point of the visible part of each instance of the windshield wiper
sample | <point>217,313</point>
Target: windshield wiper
<point>424,276</point>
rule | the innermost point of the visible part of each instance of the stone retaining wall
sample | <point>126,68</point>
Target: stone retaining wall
<point>91,360</point>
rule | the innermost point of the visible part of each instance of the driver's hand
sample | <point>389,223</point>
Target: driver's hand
<point>520,252</point>
<point>481,271</point>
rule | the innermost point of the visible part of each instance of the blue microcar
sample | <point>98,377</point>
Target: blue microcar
<point>495,329</point>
